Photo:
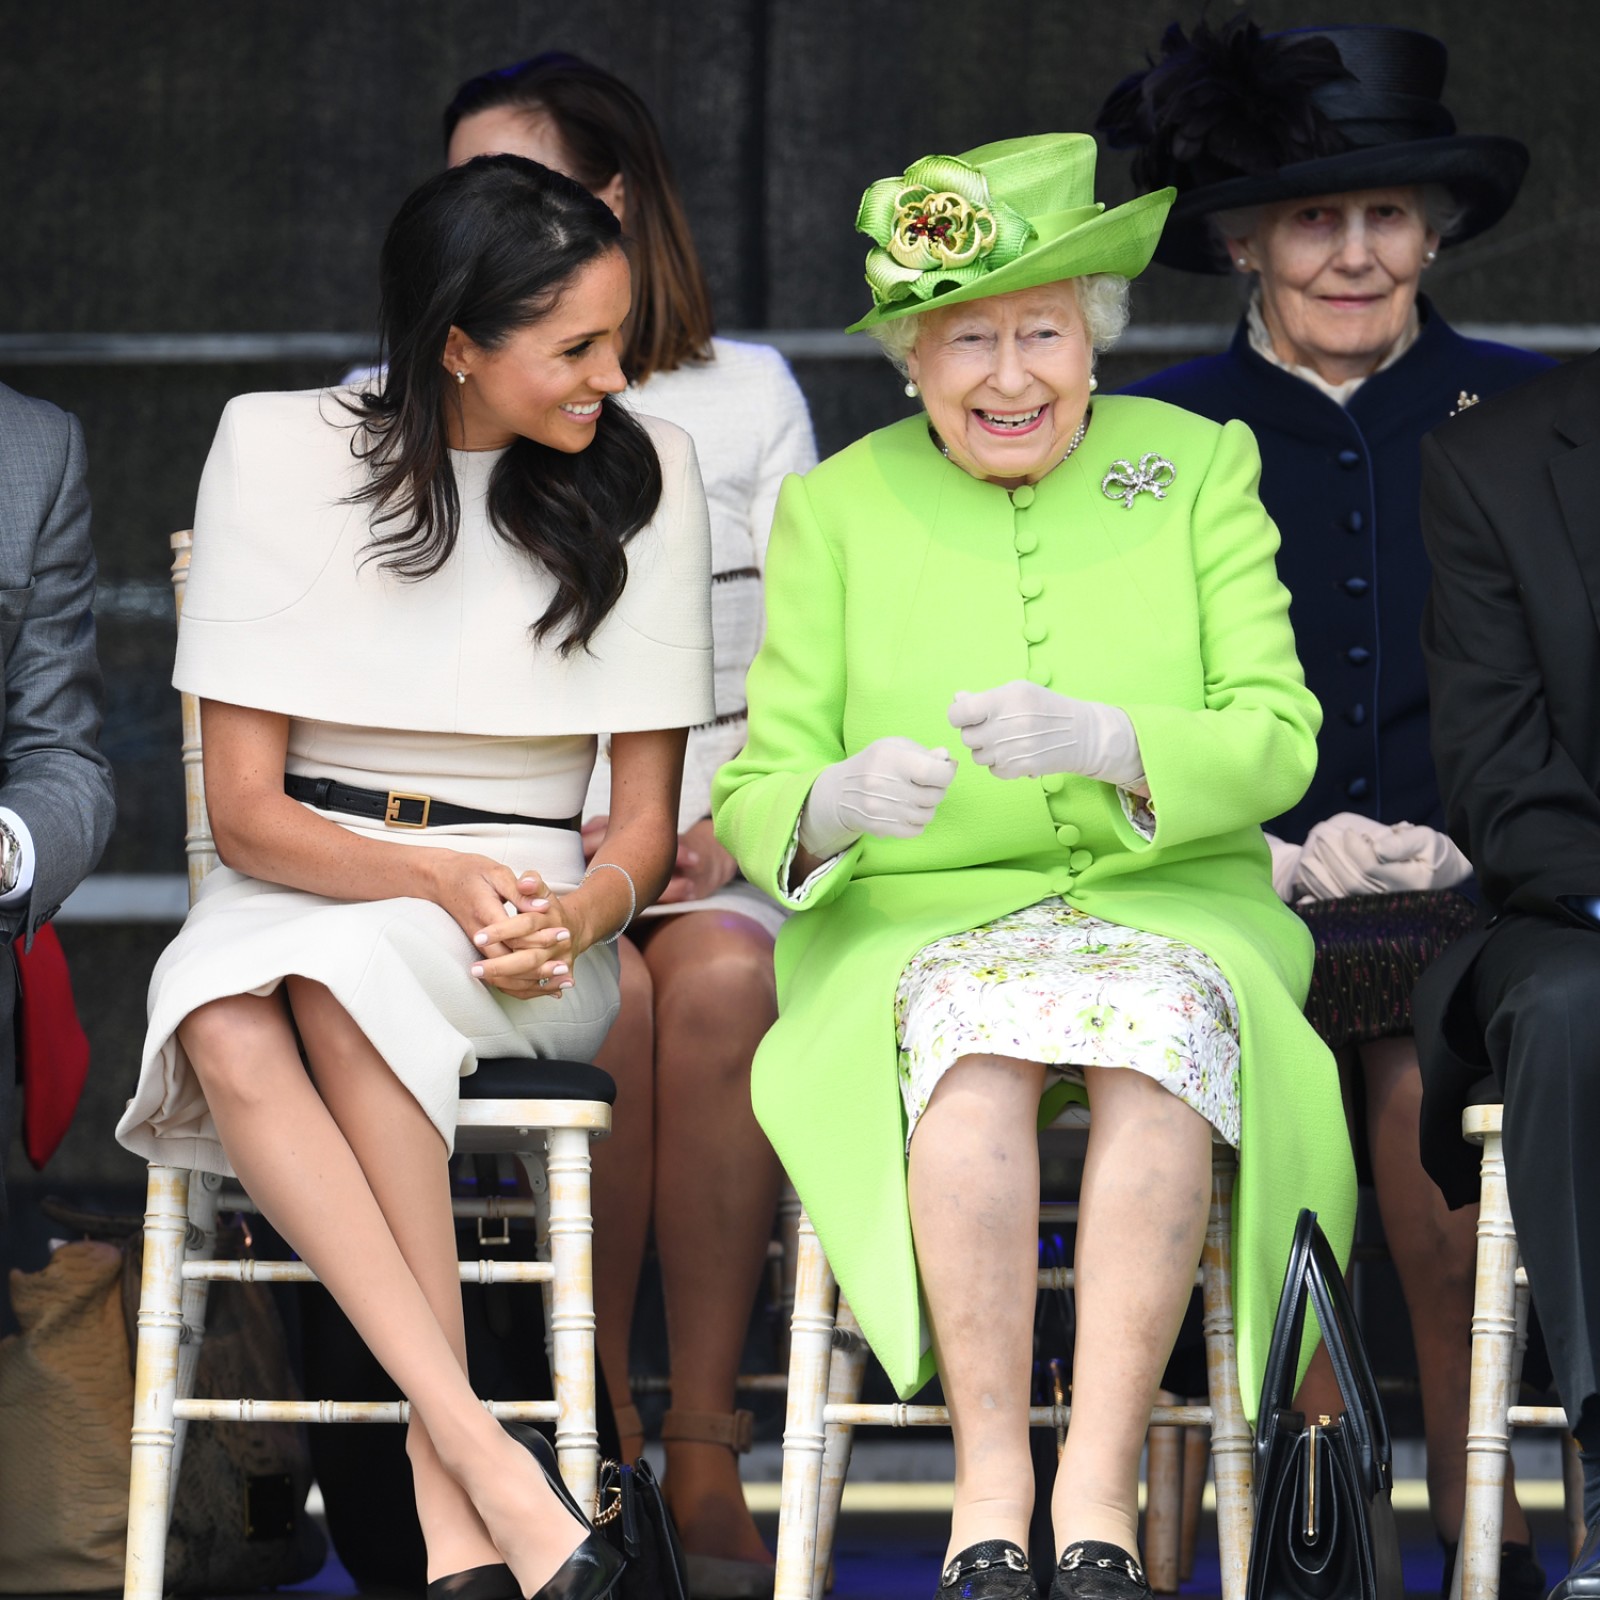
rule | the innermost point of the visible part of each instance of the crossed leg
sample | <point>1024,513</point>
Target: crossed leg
<point>353,1177</point>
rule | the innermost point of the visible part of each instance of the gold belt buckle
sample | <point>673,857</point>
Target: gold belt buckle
<point>391,812</point>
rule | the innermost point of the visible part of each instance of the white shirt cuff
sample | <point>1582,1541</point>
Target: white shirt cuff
<point>21,889</point>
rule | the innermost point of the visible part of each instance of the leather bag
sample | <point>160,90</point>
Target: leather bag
<point>1325,1526</point>
<point>633,1516</point>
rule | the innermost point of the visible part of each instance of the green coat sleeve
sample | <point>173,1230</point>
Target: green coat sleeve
<point>795,691</point>
<point>1250,753</point>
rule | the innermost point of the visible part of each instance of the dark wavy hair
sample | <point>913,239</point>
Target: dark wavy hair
<point>491,247</point>
<point>605,128</point>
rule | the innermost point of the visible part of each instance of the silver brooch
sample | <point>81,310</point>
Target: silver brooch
<point>1153,475</point>
<point>1463,400</point>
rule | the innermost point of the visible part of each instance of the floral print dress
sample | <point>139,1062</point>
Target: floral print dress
<point>1049,983</point>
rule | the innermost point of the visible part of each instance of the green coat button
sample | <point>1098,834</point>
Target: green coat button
<point>1035,632</point>
<point>1031,588</point>
<point>1026,541</point>
<point>1079,859</point>
<point>1060,881</point>
<point>1054,782</point>
<point>1022,496</point>
<point>1041,676</point>
<point>1068,834</point>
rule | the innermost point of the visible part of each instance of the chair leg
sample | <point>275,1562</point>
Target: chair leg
<point>567,1168</point>
<point>789,1239</point>
<point>204,1188</point>
<point>1230,1434</point>
<point>1494,1337</point>
<point>1196,1452</point>
<point>846,1369</point>
<point>1163,1506</point>
<point>810,1344</point>
<point>155,1380</point>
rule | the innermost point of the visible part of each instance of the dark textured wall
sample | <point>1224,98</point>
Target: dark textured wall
<point>195,166</point>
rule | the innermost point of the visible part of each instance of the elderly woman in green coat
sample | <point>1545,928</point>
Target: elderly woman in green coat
<point>1027,690</point>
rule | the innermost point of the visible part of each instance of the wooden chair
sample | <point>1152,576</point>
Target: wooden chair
<point>543,1112</point>
<point>1499,1337</point>
<point>828,1358</point>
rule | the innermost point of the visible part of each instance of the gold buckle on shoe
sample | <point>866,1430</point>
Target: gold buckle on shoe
<point>391,811</point>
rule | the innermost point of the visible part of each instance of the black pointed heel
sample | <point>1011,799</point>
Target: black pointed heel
<point>592,1570</point>
<point>493,1582</point>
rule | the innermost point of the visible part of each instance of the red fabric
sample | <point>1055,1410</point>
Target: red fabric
<point>51,1045</point>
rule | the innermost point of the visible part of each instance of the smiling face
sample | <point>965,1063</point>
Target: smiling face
<point>1005,380</point>
<point>533,135</point>
<point>1339,276</point>
<point>546,380</point>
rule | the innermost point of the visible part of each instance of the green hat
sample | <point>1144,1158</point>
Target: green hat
<point>1009,215</point>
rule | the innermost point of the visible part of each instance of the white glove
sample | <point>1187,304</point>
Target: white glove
<point>1285,866</point>
<point>1022,730</point>
<point>891,789</point>
<point>1350,854</point>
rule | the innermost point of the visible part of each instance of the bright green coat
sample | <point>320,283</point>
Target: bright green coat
<point>893,580</point>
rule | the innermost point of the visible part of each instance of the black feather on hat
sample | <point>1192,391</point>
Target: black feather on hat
<point>1232,117</point>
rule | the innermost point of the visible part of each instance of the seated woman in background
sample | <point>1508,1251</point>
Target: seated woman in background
<point>1339,367</point>
<point>446,586</point>
<point>697,981</point>
<point>1078,597</point>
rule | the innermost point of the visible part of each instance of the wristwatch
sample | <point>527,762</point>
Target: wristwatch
<point>10,858</point>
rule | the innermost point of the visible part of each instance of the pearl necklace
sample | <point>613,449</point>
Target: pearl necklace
<point>1072,443</point>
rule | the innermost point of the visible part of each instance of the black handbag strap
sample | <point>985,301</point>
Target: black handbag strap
<point>1313,1276</point>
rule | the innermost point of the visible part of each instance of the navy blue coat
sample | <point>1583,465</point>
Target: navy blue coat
<point>1343,484</point>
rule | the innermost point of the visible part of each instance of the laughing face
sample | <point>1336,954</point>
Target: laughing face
<point>1339,276</point>
<point>546,380</point>
<point>1005,380</point>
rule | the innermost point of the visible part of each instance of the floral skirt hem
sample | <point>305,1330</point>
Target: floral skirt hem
<point>1051,984</point>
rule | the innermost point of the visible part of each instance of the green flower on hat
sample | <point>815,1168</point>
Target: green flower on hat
<point>935,227</point>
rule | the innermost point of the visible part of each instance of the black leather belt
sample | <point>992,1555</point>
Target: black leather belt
<point>396,808</point>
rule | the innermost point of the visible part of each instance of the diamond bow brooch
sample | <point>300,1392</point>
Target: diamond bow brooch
<point>1154,475</point>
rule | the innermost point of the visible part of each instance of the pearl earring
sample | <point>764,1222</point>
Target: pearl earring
<point>1429,257</point>
<point>461,377</point>
<point>912,391</point>
<point>1242,263</point>
<point>1094,383</point>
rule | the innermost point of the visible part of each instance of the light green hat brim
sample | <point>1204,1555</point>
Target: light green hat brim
<point>1068,240</point>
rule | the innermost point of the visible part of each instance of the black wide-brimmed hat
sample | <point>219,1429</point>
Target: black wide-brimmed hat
<point>1232,117</point>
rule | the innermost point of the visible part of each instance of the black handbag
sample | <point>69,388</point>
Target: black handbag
<point>633,1516</point>
<point>1324,1522</point>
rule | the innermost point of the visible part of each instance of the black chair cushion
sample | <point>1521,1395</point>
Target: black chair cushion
<point>525,1078</point>
<point>1371,949</point>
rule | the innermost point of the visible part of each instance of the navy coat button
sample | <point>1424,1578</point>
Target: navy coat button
<point>1355,522</point>
<point>1356,655</point>
<point>1356,715</point>
<point>1349,458</point>
<point>1356,788</point>
<point>1356,586</point>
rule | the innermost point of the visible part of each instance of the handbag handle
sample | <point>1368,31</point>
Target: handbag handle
<point>1313,1275</point>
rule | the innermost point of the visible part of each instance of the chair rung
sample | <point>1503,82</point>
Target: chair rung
<point>906,1416</point>
<point>491,1207</point>
<point>1059,1211</point>
<point>1066,1278</point>
<point>343,1410</point>
<point>252,1271</point>
<point>759,1382</point>
<point>1536,1417</point>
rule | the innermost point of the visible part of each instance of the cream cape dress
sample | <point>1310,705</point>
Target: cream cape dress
<point>432,687</point>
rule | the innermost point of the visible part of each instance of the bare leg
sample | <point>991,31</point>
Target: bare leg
<point>298,1165</point>
<point>716,1191</point>
<point>623,1174</point>
<point>1142,1220</point>
<point>1435,1254</point>
<point>973,1182</point>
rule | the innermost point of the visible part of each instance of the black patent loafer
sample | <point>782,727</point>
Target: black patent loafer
<point>1583,1582</point>
<point>1091,1569</point>
<point>589,1573</point>
<point>494,1582</point>
<point>996,1569</point>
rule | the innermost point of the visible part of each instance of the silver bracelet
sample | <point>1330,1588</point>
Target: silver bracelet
<point>633,898</point>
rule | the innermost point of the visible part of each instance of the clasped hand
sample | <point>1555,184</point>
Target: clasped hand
<point>1023,730</point>
<point>515,948</point>
<point>1350,855</point>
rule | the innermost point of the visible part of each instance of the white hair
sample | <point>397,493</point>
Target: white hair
<point>1442,213</point>
<point>1102,303</point>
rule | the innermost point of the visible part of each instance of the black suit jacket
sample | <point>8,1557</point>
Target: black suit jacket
<point>1511,637</point>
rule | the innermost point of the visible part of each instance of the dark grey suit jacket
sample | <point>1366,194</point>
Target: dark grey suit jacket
<point>52,773</point>
<point>1511,517</point>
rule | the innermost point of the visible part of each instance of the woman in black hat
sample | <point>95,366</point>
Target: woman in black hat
<point>1321,165</point>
